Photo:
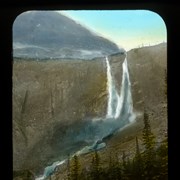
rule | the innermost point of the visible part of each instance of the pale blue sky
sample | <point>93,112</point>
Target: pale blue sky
<point>127,28</point>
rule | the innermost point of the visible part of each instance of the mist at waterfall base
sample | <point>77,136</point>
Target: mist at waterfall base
<point>94,132</point>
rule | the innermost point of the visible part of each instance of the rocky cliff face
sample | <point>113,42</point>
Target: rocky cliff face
<point>148,68</point>
<point>148,72</point>
<point>53,98</point>
<point>49,99</point>
<point>116,61</point>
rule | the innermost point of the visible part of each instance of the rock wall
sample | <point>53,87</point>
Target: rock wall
<point>148,72</point>
<point>50,97</point>
<point>48,93</point>
<point>116,61</point>
<point>148,68</point>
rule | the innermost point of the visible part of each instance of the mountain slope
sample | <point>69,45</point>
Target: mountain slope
<point>49,98</point>
<point>62,95</point>
<point>45,34</point>
<point>147,66</point>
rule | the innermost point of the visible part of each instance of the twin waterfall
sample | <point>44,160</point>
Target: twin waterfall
<point>119,103</point>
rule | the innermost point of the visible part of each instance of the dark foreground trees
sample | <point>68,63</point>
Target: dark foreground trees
<point>74,169</point>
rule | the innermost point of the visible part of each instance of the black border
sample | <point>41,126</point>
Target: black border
<point>8,12</point>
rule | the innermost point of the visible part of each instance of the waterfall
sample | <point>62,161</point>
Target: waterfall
<point>127,92</point>
<point>120,104</point>
<point>110,90</point>
<point>113,96</point>
<point>119,114</point>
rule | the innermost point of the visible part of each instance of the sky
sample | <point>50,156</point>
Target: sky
<point>127,28</point>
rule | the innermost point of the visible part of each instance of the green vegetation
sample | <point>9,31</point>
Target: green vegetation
<point>95,170</point>
<point>149,152</point>
<point>150,162</point>
<point>75,169</point>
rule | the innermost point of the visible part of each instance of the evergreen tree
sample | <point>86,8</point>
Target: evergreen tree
<point>162,153</point>
<point>68,169</point>
<point>75,168</point>
<point>111,167</point>
<point>124,167</point>
<point>149,153</point>
<point>117,168</point>
<point>95,167</point>
<point>114,168</point>
<point>138,154</point>
<point>129,169</point>
<point>137,163</point>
